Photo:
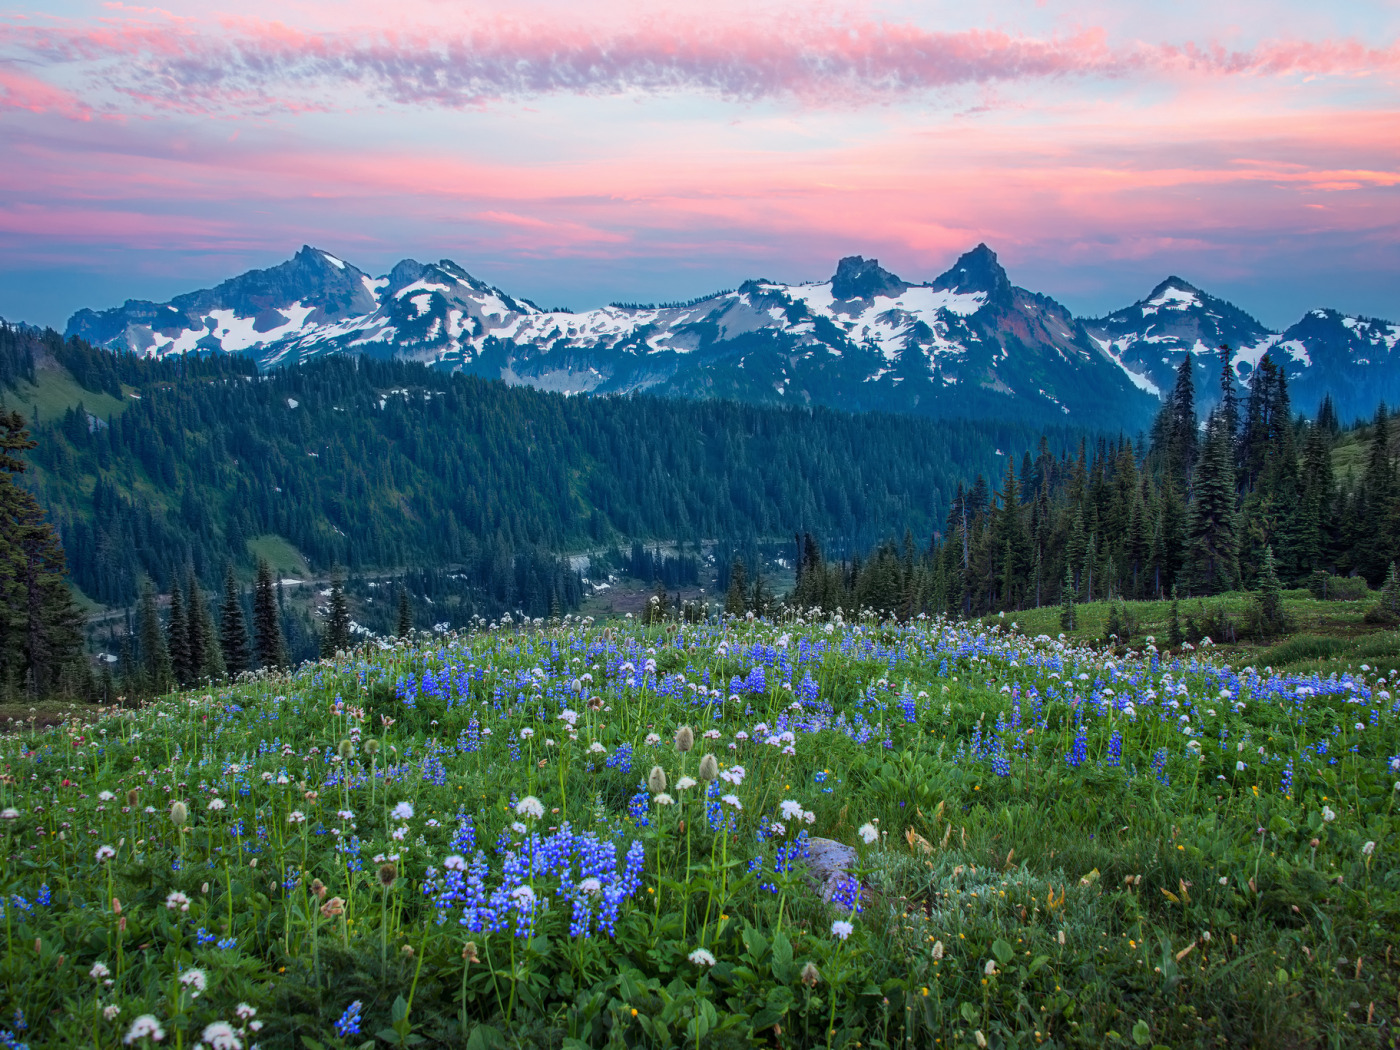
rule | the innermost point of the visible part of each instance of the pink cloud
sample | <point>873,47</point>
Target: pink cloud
<point>245,63</point>
<point>21,91</point>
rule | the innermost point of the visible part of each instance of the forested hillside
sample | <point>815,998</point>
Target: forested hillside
<point>370,464</point>
<point>1255,497</point>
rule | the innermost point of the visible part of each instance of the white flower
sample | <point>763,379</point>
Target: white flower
<point>399,833</point>
<point>596,748</point>
<point>1368,849</point>
<point>524,894</point>
<point>105,796</point>
<point>700,957</point>
<point>176,900</point>
<point>991,968</point>
<point>663,799</point>
<point>684,783</point>
<point>808,817</point>
<point>526,733</point>
<point>841,929</point>
<point>868,834</point>
<point>590,886</point>
<point>216,804</point>
<point>791,809</point>
<point>653,739</point>
<point>518,827</point>
<point>530,806</point>
<point>99,970</point>
<point>403,811</point>
<point>9,813</point>
<point>732,800</point>
<point>1224,881</point>
<point>243,1011</point>
<point>1328,815</point>
<point>778,827</point>
<point>345,814</point>
<point>1239,767</point>
<point>221,1036</point>
<point>938,949</point>
<point>110,1011</point>
<point>456,862</point>
<point>296,816</point>
<point>145,1027</point>
<point>194,979</point>
<point>105,853</point>
<point>571,716</point>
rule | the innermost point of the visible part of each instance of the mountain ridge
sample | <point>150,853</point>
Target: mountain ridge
<point>969,342</point>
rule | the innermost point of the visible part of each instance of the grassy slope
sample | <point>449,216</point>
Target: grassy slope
<point>1119,906</point>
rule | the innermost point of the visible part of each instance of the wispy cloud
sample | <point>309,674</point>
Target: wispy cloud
<point>181,64</point>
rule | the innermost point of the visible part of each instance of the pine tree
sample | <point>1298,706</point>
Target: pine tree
<point>40,626</point>
<point>1387,609</point>
<point>337,636</point>
<point>233,634</point>
<point>1212,553</point>
<point>1067,602</point>
<point>404,626</point>
<point>267,623</point>
<point>177,638</point>
<point>155,658</point>
<point>1175,635</point>
<point>206,656</point>
<point>736,598</point>
<point>1269,603</point>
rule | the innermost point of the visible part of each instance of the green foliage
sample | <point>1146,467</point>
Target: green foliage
<point>1222,900</point>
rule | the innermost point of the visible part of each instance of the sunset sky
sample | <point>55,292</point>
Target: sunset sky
<point>580,152</point>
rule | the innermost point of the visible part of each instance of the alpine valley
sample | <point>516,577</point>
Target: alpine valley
<point>969,343</point>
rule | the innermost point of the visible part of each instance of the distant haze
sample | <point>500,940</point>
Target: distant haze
<point>579,153</point>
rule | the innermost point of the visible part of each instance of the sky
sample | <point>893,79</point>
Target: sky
<point>577,153</point>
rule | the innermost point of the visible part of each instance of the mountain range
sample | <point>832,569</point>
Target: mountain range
<point>966,344</point>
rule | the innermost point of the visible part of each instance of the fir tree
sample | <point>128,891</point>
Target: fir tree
<point>155,658</point>
<point>1067,602</point>
<point>1269,602</point>
<point>1175,635</point>
<point>233,634</point>
<point>337,635</point>
<point>736,598</point>
<point>206,656</point>
<point>404,625</point>
<point>1212,553</point>
<point>267,622</point>
<point>177,638</point>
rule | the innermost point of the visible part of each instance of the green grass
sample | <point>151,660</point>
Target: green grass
<point>1048,855</point>
<point>285,559</point>
<point>55,392</point>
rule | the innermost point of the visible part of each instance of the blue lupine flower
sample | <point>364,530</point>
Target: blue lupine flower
<point>349,1023</point>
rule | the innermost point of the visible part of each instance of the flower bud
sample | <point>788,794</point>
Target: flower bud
<point>657,780</point>
<point>709,768</point>
<point>179,813</point>
<point>387,874</point>
<point>811,975</point>
<point>347,749</point>
<point>371,747</point>
<point>685,739</point>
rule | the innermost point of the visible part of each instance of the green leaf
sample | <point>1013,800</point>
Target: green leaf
<point>311,1044</point>
<point>400,1010</point>
<point>969,1012</point>
<point>1003,951</point>
<point>756,943</point>
<point>1038,962</point>
<point>1142,1035</point>
<point>483,1037</point>
<point>389,1036</point>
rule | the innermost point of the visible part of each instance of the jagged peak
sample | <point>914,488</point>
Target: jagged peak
<point>976,271</point>
<point>860,278</point>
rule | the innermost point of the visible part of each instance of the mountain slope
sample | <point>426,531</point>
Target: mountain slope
<point>967,343</point>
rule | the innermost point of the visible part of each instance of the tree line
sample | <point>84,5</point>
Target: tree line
<point>1194,508</point>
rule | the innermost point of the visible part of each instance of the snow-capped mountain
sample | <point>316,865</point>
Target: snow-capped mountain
<point>1325,352</point>
<point>968,343</point>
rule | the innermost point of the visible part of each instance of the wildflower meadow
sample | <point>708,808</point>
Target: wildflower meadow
<point>569,834</point>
